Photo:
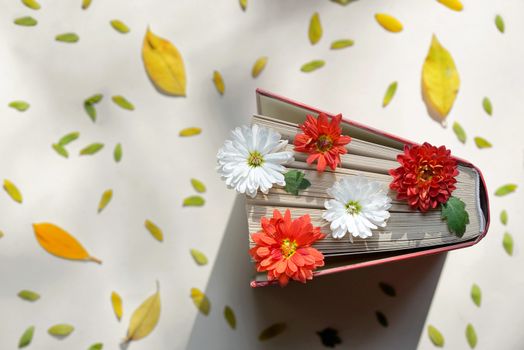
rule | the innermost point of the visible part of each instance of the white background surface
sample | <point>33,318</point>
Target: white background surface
<point>153,177</point>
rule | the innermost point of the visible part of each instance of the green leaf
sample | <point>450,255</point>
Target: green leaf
<point>459,131</point>
<point>61,330</point>
<point>504,217</point>
<point>94,99</point>
<point>505,189</point>
<point>117,153</point>
<point>230,317</point>
<point>482,142</point>
<point>32,4</point>
<point>194,201</point>
<point>105,199</point>
<point>90,110</point>
<point>96,346</point>
<point>341,44</point>
<point>387,289</point>
<point>68,138</point>
<point>13,191</point>
<point>507,243</point>
<point>91,149</point>
<point>486,104</point>
<point>198,185</point>
<point>201,301</point>
<point>315,29</point>
<point>272,331</point>
<point>122,102</point>
<point>60,150</point>
<point>312,66</point>
<point>295,181</point>
<point>435,336</point>
<point>20,106</point>
<point>199,257</point>
<point>119,26</point>
<point>476,294</point>
<point>26,21</point>
<point>382,319</point>
<point>67,38</point>
<point>154,230</point>
<point>26,337</point>
<point>471,336</point>
<point>390,92</point>
<point>499,22</point>
<point>456,215</point>
<point>28,295</point>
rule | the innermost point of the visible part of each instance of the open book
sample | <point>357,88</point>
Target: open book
<point>371,154</point>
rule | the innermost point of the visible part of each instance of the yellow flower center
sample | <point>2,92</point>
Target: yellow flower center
<point>288,248</point>
<point>353,207</point>
<point>324,143</point>
<point>255,159</point>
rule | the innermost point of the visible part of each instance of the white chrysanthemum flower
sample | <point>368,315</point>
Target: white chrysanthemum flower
<point>359,205</point>
<point>253,159</point>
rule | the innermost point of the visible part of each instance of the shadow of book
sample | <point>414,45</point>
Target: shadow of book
<point>348,302</point>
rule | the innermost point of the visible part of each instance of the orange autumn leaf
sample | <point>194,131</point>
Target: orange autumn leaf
<point>60,243</point>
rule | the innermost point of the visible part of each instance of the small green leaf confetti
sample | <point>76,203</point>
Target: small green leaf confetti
<point>119,26</point>
<point>194,201</point>
<point>504,217</point>
<point>26,337</point>
<point>27,21</point>
<point>499,22</point>
<point>122,102</point>
<point>105,199</point>
<point>201,301</point>
<point>230,317</point>
<point>505,189</point>
<point>259,66</point>
<point>13,191</point>
<point>341,44</point>
<point>390,92</point>
<point>381,318</point>
<point>67,38</point>
<point>20,106</point>
<point>154,230</point>
<point>28,295</point>
<point>192,131</point>
<point>459,131</point>
<point>198,185</point>
<point>32,4</point>
<point>61,330</point>
<point>482,142</point>
<point>91,149</point>
<point>315,29</point>
<point>387,289</point>
<point>117,153</point>
<point>486,104</point>
<point>94,99</point>
<point>85,4</point>
<point>60,150</point>
<point>471,336</point>
<point>295,181</point>
<point>476,294</point>
<point>90,110</point>
<point>272,331</point>
<point>243,4</point>
<point>456,215</point>
<point>312,66</point>
<point>68,138</point>
<point>199,257</point>
<point>96,346</point>
<point>435,336</point>
<point>507,243</point>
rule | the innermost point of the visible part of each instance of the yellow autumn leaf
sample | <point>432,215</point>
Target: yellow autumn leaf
<point>219,82</point>
<point>145,318</point>
<point>315,29</point>
<point>105,199</point>
<point>154,230</point>
<point>201,301</point>
<point>440,81</point>
<point>164,65</point>
<point>60,243</point>
<point>388,22</point>
<point>452,4</point>
<point>12,191</point>
<point>259,66</point>
<point>116,302</point>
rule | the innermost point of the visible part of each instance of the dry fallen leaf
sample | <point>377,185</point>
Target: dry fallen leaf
<point>145,318</point>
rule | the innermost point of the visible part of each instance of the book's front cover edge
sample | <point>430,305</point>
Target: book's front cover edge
<point>484,199</point>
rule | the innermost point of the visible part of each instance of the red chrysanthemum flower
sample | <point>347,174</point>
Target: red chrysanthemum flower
<point>322,140</point>
<point>426,176</point>
<point>283,248</point>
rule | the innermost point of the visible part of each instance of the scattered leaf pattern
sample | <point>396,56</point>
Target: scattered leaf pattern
<point>486,104</point>
<point>117,153</point>
<point>315,29</point>
<point>13,191</point>
<point>459,132</point>
<point>272,331</point>
<point>505,190</point>
<point>119,26</point>
<point>154,230</point>
<point>507,243</point>
<point>61,330</point>
<point>91,149</point>
<point>67,38</point>
<point>435,336</point>
<point>60,150</point>
<point>476,294</point>
<point>341,44</point>
<point>89,105</point>
<point>259,66</point>
<point>116,303</point>
<point>28,295</point>
<point>219,82</point>
<point>471,336</point>
<point>26,21</point>
<point>499,23</point>
<point>105,199</point>
<point>68,138</point>
<point>199,257</point>
<point>198,185</point>
<point>201,301</point>
<point>504,217</point>
<point>312,66</point>
<point>123,103</point>
<point>194,201</point>
<point>482,142</point>
<point>390,92</point>
<point>192,131</point>
<point>389,23</point>
<point>26,337</point>
<point>230,317</point>
<point>144,318</point>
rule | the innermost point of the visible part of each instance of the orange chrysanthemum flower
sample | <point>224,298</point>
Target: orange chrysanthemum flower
<point>283,248</point>
<point>426,176</point>
<point>322,140</point>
